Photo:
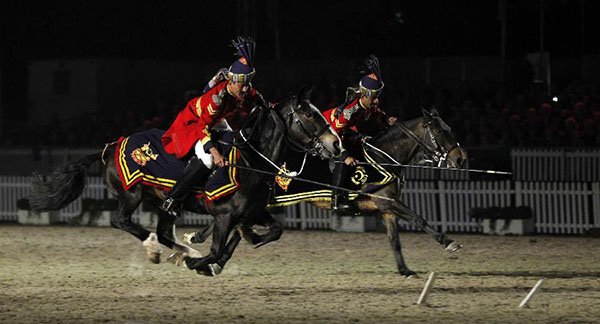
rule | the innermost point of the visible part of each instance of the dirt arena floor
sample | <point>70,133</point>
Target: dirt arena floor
<point>80,275</point>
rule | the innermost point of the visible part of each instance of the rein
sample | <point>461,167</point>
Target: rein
<point>438,154</point>
<point>315,145</point>
<point>312,182</point>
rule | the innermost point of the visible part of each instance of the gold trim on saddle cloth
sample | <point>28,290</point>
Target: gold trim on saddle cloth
<point>130,177</point>
<point>233,183</point>
<point>325,194</point>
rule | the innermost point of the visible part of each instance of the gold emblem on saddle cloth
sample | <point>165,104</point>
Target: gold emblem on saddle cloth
<point>143,154</point>
<point>360,176</point>
<point>281,181</point>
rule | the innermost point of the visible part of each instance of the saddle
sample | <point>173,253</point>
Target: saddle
<point>142,158</point>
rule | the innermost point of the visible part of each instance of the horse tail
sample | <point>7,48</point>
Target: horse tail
<point>63,185</point>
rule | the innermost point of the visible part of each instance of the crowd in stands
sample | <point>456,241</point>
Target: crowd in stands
<point>492,115</point>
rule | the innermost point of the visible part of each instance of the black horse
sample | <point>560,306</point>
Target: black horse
<point>295,123</point>
<point>399,144</point>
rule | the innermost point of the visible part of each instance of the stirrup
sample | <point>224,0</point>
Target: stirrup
<point>340,206</point>
<point>168,206</point>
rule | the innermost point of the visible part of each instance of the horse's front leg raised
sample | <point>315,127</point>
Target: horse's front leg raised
<point>223,226</point>
<point>199,236</point>
<point>264,218</point>
<point>391,224</point>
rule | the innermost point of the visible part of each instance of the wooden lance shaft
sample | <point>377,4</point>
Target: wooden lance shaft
<point>427,289</point>
<point>531,293</point>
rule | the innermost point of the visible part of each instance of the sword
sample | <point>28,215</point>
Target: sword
<point>398,165</point>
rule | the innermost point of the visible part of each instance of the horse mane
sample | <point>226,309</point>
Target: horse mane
<point>394,133</point>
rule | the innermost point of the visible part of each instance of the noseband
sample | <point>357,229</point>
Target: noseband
<point>314,146</point>
<point>438,153</point>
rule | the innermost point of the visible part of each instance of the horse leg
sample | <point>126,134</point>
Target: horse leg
<point>417,220</point>
<point>167,237</point>
<point>199,236</point>
<point>128,203</point>
<point>232,244</point>
<point>391,224</point>
<point>265,218</point>
<point>223,226</point>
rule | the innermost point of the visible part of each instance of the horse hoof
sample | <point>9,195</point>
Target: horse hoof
<point>176,258</point>
<point>152,247</point>
<point>217,269</point>
<point>189,237</point>
<point>209,270</point>
<point>153,257</point>
<point>453,247</point>
<point>409,274</point>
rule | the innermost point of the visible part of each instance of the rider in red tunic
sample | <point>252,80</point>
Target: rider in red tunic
<point>189,137</point>
<point>359,110</point>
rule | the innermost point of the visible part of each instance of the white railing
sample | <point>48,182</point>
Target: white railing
<point>536,164</point>
<point>558,207</point>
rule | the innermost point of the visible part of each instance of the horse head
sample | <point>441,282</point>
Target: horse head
<point>439,135</point>
<point>307,129</point>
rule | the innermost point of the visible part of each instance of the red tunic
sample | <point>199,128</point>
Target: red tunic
<point>353,116</point>
<point>195,121</point>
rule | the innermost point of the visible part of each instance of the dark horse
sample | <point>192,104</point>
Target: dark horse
<point>430,135</point>
<point>294,123</point>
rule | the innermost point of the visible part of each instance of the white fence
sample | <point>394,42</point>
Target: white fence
<point>559,208</point>
<point>556,164</point>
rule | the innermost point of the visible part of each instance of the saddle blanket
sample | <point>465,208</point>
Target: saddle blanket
<point>141,157</point>
<point>364,178</point>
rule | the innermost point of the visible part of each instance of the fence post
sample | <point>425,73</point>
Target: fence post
<point>518,194</point>
<point>303,221</point>
<point>596,203</point>
<point>442,203</point>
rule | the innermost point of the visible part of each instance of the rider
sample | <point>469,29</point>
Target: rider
<point>189,137</point>
<point>360,108</point>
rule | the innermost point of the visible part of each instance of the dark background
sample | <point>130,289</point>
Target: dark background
<point>190,30</point>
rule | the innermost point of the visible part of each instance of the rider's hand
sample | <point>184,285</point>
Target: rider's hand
<point>350,161</point>
<point>218,158</point>
<point>392,120</point>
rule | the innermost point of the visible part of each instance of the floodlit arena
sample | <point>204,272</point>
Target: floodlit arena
<point>73,274</point>
<point>266,161</point>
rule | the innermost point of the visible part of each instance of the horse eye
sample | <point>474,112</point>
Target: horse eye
<point>309,114</point>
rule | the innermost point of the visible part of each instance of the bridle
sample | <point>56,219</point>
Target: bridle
<point>313,147</point>
<point>433,150</point>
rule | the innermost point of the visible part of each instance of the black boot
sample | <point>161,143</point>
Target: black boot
<point>339,198</point>
<point>195,172</point>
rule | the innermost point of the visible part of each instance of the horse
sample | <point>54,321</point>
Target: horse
<point>397,145</point>
<point>294,122</point>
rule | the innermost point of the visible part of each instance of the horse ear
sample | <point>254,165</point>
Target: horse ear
<point>304,93</point>
<point>434,112</point>
<point>427,113</point>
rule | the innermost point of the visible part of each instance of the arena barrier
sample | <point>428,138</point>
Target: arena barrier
<point>558,207</point>
<point>534,164</point>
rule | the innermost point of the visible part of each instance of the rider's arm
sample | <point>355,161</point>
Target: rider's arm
<point>208,114</point>
<point>218,78</point>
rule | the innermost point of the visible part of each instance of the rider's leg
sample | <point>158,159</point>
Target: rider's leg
<point>197,169</point>
<point>339,198</point>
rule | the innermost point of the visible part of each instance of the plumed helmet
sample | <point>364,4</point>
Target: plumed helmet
<point>242,70</point>
<point>371,84</point>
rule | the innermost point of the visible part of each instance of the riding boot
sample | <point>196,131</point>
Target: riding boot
<point>194,173</point>
<point>339,198</point>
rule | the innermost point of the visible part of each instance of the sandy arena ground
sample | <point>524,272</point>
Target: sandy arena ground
<point>79,274</point>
